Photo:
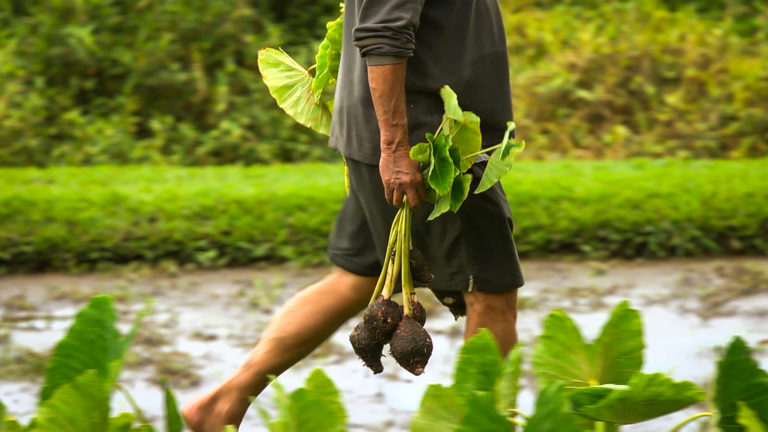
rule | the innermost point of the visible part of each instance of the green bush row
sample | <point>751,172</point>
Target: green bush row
<point>134,81</point>
<point>635,79</point>
<point>65,218</point>
<point>176,81</point>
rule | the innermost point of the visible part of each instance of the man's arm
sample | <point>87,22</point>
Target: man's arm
<point>400,174</point>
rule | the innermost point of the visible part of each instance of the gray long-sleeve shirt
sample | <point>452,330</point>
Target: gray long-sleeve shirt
<point>460,43</point>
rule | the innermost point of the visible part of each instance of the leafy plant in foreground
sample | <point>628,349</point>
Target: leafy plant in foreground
<point>81,376</point>
<point>585,386</point>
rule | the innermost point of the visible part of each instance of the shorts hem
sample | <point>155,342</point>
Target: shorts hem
<point>352,266</point>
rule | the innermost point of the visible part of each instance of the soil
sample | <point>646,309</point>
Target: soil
<point>204,323</point>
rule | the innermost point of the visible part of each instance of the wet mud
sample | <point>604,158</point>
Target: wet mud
<point>203,323</point>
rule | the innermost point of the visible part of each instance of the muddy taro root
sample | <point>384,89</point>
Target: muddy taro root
<point>367,348</point>
<point>381,318</point>
<point>419,314</point>
<point>419,271</point>
<point>411,346</point>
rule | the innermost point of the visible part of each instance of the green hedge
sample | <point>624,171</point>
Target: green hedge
<point>176,81</point>
<point>61,218</point>
<point>635,79</point>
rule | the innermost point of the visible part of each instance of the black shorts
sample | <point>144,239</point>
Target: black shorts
<point>469,250</point>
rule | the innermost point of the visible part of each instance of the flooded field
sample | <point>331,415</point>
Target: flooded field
<point>203,323</point>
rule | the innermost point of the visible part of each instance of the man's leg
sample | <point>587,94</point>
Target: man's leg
<point>303,323</point>
<point>495,311</point>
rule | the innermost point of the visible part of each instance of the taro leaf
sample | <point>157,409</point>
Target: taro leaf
<point>619,348</point>
<point>740,379</point>
<point>441,410</point>
<point>467,138</point>
<point>80,405</point>
<point>460,190</point>
<point>749,419</point>
<point>552,413</point>
<point>442,205</point>
<point>481,415</point>
<point>561,354</point>
<point>441,170</point>
<point>321,387</point>
<point>478,365</point>
<point>282,422</point>
<point>120,423</point>
<point>173,421</point>
<point>149,428</point>
<point>501,160</point>
<point>455,154</point>
<point>11,425</point>
<point>328,57</point>
<point>508,384</point>
<point>421,152</point>
<point>645,397</point>
<point>451,104</point>
<point>92,342</point>
<point>291,87</point>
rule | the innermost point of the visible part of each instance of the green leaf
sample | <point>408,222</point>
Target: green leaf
<point>328,56</point>
<point>314,407</point>
<point>92,343</point>
<point>173,421</point>
<point>80,405</point>
<point>749,419</point>
<point>143,428</point>
<point>320,386</point>
<point>561,354</point>
<point>478,365</point>
<point>441,410</point>
<point>442,205</point>
<point>500,161</point>
<point>552,413</point>
<point>291,87</point>
<point>451,104</point>
<point>422,152</point>
<point>507,386</point>
<point>619,348</point>
<point>645,397</point>
<point>740,379</point>
<point>441,170</point>
<point>455,154</point>
<point>460,190</point>
<point>120,423</point>
<point>481,415</point>
<point>468,138</point>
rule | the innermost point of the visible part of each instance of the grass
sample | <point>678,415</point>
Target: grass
<point>73,218</point>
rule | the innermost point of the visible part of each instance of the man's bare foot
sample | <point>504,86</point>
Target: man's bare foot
<point>212,411</point>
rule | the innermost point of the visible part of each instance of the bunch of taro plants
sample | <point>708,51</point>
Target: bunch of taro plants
<point>583,386</point>
<point>444,159</point>
<point>81,376</point>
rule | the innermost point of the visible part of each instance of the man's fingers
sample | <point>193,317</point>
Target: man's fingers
<point>413,198</point>
<point>397,198</point>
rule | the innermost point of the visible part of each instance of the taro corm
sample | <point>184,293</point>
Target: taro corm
<point>381,318</point>
<point>367,348</point>
<point>411,346</point>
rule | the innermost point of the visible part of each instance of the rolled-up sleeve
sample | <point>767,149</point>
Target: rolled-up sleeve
<point>386,30</point>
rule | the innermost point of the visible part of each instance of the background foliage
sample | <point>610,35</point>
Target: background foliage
<point>176,81</point>
<point>72,218</point>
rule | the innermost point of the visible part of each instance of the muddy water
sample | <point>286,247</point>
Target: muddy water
<point>203,324</point>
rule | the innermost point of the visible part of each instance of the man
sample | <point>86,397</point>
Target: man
<point>396,56</point>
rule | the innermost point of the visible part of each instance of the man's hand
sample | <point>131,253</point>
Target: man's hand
<point>399,174</point>
<point>401,177</point>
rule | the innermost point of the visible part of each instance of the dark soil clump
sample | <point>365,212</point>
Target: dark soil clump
<point>411,346</point>
<point>381,318</point>
<point>367,348</point>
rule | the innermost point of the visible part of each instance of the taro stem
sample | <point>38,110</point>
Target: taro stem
<point>386,269</point>
<point>405,246</point>
<point>394,264</point>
